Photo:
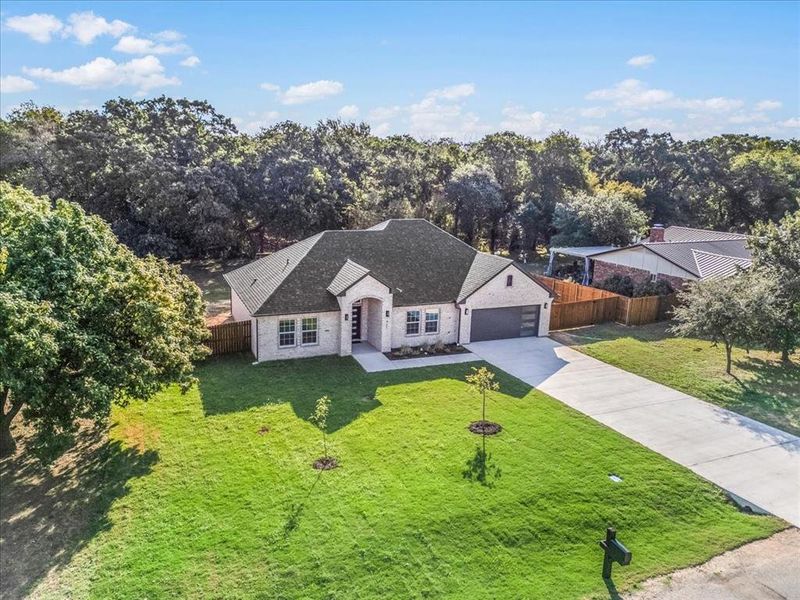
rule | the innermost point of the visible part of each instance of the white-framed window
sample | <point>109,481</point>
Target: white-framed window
<point>412,322</point>
<point>509,280</point>
<point>653,277</point>
<point>432,321</point>
<point>309,331</point>
<point>286,330</point>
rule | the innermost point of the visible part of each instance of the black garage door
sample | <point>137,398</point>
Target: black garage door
<point>501,323</point>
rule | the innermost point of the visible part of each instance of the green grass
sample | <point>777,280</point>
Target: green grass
<point>762,388</point>
<point>223,511</point>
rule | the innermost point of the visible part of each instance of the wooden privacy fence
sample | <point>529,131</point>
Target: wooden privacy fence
<point>564,315</point>
<point>229,337</point>
<point>578,305</point>
<point>566,291</point>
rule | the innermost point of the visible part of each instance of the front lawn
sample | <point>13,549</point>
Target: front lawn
<point>762,388</point>
<point>223,502</point>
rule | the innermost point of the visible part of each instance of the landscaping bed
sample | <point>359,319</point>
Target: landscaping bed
<point>426,350</point>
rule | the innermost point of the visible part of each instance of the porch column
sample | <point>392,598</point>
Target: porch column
<point>345,331</point>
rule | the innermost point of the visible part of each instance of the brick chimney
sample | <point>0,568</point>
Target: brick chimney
<point>656,233</point>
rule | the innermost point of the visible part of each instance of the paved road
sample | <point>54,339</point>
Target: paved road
<point>764,570</point>
<point>756,462</point>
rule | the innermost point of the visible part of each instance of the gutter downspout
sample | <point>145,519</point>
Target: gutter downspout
<point>459,322</point>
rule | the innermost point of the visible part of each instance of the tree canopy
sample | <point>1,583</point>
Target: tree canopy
<point>84,323</point>
<point>176,178</point>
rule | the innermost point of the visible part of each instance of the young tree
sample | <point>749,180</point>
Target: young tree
<point>720,310</point>
<point>84,323</point>
<point>482,381</point>
<point>320,419</point>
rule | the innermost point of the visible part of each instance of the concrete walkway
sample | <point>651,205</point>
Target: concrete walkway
<point>756,462</point>
<point>373,361</point>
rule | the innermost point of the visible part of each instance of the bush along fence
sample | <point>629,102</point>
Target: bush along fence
<point>229,337</point>
<point>580,305</point>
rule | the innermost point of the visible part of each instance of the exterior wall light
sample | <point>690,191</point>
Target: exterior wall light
<point>346,316</point>
<point>466,311</point>
<point>545,304</point>
<point>387,313</point>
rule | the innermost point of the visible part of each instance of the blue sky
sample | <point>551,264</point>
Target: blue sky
<point>448,69</point>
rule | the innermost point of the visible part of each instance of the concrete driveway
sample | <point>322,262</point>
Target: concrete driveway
<point>756,462</point>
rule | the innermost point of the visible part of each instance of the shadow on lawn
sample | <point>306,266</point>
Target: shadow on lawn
<point>481,467</point>
<point>232,384</point>
<point>48,513</point>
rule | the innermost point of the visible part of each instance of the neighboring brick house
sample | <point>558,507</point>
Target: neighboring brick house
<point>675,254</point>
<point>403,282</point>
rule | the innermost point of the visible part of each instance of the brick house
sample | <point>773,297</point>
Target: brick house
<point>403,282</point>
<point>675,254</point>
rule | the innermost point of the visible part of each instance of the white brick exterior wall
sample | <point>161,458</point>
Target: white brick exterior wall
<point>495,294</point>
<point>384,332</point>
<point>378,331</point>
<point>448,325</point>
<point>328,335</point>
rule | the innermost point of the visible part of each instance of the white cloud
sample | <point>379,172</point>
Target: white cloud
<point>256,121</point>
<point>37,26</point>
<point>431,118</point>
<point>593,112</point>
<point>130,44</point>
<point>168,35</point>
<point>718,104</point>
<point>305,92</point>
<point>13,84</point>
<point>769,105</point>
<point>516,118</point>
<point>642,61</point>
<point>651,123</point>
<point>632,93</point>
<point>350,111</point>
<point>144,73</point>
<point>453,92</point>
<point>383,113</point>
<point>86,26</point>
<point>311,92</point>
<point>794,122</point>
<point>756,117</point>
<point>190,61</point>
<point>381,129</point>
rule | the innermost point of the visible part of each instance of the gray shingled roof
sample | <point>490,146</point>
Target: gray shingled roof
<point>681,253</point>
<point>716,265</point>
<point>257,280</point>
<point>350,274</point>
<point>420,262</point>
<point>482,269</point>
<point>676,233</point>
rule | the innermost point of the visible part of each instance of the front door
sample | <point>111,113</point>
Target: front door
<point>355,320</point>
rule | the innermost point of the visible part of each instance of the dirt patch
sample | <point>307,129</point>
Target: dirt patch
<point>139,435</point>
<point>264,430</point>
<point>326,463</point>
<point>485,428</point>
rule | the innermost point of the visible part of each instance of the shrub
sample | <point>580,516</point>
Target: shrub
<point>405,351</point>
<point>652,288</point>
<point>619,284</point>
<point>439,346</point>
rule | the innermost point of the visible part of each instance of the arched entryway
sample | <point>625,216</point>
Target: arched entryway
<point>367,322</point>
